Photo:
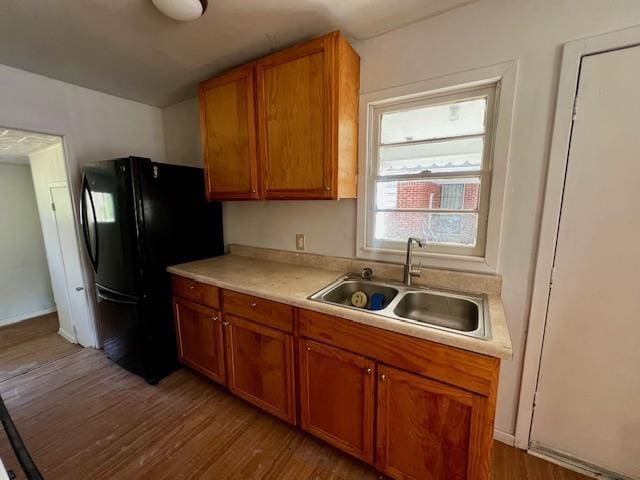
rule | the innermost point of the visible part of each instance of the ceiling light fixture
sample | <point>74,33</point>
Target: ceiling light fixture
<point>182,10</point>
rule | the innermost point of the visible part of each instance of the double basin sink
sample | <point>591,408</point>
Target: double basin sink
<point>452,312</point>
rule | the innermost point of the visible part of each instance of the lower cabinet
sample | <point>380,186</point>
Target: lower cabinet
<point>424,427</point>
<point>427,417</point>
<point>337,397</point>
<point>199,333</point>
<point>260,366</point>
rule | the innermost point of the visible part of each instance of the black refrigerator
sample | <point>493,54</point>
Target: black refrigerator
<point>138,217</point>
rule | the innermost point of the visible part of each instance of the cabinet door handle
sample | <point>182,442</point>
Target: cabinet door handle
<point>367,371</point>
<point>214,318</point>
<point>225,323</point>
<point>383,377</point>
<point>192,287</point>
<point>253,305</point>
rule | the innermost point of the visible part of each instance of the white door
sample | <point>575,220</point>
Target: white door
<point>78,302</point>
<point>588,399</point>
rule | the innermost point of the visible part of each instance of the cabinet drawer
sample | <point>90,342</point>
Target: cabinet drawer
<point>266,312</point>
<point>195,291</point>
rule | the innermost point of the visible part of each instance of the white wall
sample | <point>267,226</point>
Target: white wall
<point>182,146</point>
<point>25,288</point>
<point>481,34</point>
<point>95,126</point>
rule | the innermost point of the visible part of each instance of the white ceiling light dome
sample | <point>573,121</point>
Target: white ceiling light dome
<point>182,10</point>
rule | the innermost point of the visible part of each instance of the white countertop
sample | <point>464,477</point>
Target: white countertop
<point>293,284</point>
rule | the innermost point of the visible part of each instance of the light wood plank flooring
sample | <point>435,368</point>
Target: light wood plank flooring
<point>83,417</point>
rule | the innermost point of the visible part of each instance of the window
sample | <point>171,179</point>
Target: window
<point>430,172</point>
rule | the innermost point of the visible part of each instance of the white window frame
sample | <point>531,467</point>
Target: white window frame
<point>502,77</point>
<point>431,100</point>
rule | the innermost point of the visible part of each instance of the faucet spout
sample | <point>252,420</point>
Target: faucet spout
<point>409,269</point>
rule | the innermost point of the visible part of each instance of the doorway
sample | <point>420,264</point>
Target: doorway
<point>44,290</point>
<point>588,389</point>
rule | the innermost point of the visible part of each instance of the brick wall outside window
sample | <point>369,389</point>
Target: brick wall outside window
<point>455,228</point>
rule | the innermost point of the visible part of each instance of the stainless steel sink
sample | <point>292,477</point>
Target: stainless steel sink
<point>453,312</point>
<point>439,310</point>
<point>341,294</point>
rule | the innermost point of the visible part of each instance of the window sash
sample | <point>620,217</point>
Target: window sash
<point>484,173</point>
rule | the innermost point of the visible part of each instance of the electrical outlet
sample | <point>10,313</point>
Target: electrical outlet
<point>299,241</point>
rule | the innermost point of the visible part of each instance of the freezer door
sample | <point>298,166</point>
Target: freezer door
<point>110,226</point>
<point>136,334</point>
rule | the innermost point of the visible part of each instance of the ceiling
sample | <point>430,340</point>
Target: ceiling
<point>17,145</point>
<point>129,49</point>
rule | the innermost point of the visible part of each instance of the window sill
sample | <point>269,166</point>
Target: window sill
<point>446,261</point>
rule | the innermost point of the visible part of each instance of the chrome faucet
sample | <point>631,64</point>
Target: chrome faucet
<point>409,269</point>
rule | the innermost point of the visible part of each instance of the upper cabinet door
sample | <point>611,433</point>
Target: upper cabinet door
<point>228,130</point>
<point>295,105</point>
<point>307,120</point>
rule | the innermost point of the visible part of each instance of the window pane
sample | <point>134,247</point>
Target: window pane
<point>444,193</point>
<point>443,228</point>
<point>423,123</point>
<point>447,156</point>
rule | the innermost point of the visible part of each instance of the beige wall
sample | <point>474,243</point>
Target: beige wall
<point>481,34</point>
<point>25,287</point>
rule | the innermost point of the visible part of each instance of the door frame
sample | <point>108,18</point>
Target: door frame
<point>572,54</point>
<point>51,128</point>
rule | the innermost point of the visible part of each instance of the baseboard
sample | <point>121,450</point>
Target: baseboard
<point>504,437</point>
<point>67,336</point>
<point>26,316</point>
<point>574,464</point>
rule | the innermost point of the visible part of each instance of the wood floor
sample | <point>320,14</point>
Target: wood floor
<point>83,417</point>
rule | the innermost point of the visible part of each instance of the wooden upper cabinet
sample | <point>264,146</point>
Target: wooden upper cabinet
<point>285,126</point>
<point>337,397</point>
<point>427,429</point>
<point>307,120</point>
<point>199,335</point>
<point>228,131</point>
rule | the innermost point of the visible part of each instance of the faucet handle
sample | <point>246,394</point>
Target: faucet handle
<point>415,269</point>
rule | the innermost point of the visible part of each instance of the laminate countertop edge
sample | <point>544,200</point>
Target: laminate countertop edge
<point>293,284</point>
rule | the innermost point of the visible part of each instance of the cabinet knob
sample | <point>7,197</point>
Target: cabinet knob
<point>327,188</point>
<point>191,287</point>
<point>253,191</point>
<point>214,318</point>
<point>253,305</point>
<point>383,377</point>
<point>225,323</point>
<point>367,371</point>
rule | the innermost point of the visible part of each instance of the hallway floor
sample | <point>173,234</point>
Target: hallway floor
<point>82,417</point>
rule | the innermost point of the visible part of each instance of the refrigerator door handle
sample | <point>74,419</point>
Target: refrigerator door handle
<point>117,297</point>
<point>86,192</point>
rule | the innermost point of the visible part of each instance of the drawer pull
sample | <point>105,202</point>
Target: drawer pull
<point>253,305</point>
